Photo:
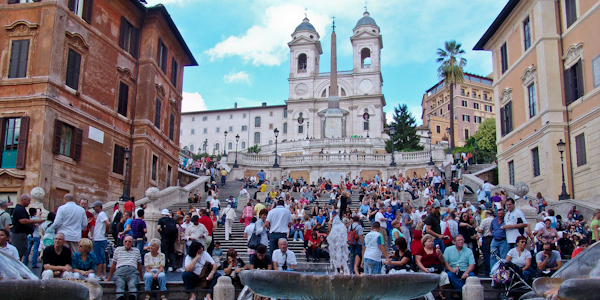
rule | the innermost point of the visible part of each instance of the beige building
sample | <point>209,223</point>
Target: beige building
<point>546,58</point>
<point>473,104</point>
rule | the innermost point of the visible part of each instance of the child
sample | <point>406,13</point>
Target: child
<point>217,253</point>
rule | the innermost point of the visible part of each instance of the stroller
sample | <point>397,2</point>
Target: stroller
<point>508,275</point>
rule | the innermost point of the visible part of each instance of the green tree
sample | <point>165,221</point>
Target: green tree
<point>405,125</point>
<point>451,71</point>
<point>254,149</point>
<point>483,143</point>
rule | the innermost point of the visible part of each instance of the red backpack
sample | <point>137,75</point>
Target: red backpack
<point>352,236</point>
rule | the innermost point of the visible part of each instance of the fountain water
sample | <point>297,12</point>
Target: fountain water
<point>338,246</point>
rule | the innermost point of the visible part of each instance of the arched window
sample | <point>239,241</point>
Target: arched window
<point>324,94</point>
<point>192,147</point>
<point>285,112</point>
<point>257,122</point>
<point>230,146</point>
<point>284,128</point>
<point>257,138</point>
<point>302,63</point>
<point>243,145</point>
<point>343,92</point>
<point>270,142</point>
<point>217,146</point>
<point>365,58</point>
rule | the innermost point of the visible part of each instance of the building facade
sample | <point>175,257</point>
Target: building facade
<point>81,82</point>
<point>360,99</point>
<point>473,104</point>
<point>546,61</point>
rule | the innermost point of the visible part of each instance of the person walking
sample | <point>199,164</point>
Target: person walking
<point>230,215</point>
<point>279,220</point>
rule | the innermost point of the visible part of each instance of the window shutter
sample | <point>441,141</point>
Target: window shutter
<point>57,136</point>
<point>119,157</point>
<point>160,49</point>
<point>164,59</point>
<point>87,10</point>
<point>579,72</point>
<point>13,1</point>
<point>73,66</point>
<point>509,119</point>
<point>18,59</point>
<point>78,144</point>
<point>171,126</point>
<point>123,99</point>
<point>568,86</point>
<point>2,135</point>
<point>22,146</point>
<point>174,72</point>
<point>23,54</point>
<point>157,113</point>
<point>72,5</point>
<point>123,35</point>
<point>502,122</point>
<point>135,41</point>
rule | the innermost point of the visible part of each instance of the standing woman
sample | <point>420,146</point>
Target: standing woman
<point>594,225</point>
<point>541,201</point>
<point>344,203</point>
<point>461,190</point>
<point>248,213</point>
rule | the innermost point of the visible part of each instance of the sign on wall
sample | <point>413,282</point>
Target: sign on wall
<point>96,134</point>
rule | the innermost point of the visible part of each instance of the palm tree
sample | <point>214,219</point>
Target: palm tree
<point>451,71</point>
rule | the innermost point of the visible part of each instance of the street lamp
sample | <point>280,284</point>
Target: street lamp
<point>125,195</point>
<point>307,125</point>
<point>276,132</point>
<point>448,131</point>
<point>430,155</point>
<point>393,131</point>
<point>561,148</point>
<point>237,139</point>
<point>225,144</point>
<point>205,146</point>
<point>475,150</point>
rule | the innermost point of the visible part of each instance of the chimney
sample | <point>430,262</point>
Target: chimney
<point>235,105</point>
<point>264,104</point>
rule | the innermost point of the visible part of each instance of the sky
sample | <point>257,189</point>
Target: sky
<point>243,56</point>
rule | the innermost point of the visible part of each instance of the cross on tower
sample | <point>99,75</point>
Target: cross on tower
<point>306,12</point>
<point>333,26</point>
<point>366,2</point>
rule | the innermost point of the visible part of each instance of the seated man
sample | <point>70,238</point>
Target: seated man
<point>460,262</point>
<point>126,268</point>
<point>284,260</point>
<point>57,259</point>
<point>261,260</point>
<point>5,247</point>
<point>548,261</point>
<point>199,268</point>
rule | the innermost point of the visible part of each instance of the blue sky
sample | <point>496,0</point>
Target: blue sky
<point>242,53</point>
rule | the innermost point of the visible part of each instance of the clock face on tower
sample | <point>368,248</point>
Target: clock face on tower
<point>301,89</point>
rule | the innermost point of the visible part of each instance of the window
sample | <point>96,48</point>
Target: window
<point>535,157</point>
<point>270,142</point>
<point>171,126</point>
<point>73,66</point>
<point>466,118</point>
<point>157,113</point>
<point>192,131</point>
<point>229,146</point>
<point>218,129</point>
<point>244,128</point>
<point>174,70</point>
<point>301,129</point>
<point>257,138</point>
<point>302,63</point>
<point>205,130</point>
<point>257,122</point>
<point>118,159</point>
<point>506,119</point>
<point>580,150</point>
<point>271,126</point>
<point>230,129</point>
<point>14,143</point>
<point>284,128</point>
<point>504,58</point>
<point>230,116</point>
<point>19,53</point>
<point>193,119</point>
<point>154,167</point>
<point>574,82</point>
<point>82,8</point>
<point>476,105</point>
<point>477,119</point>
<point>243,145</point>
<point>163,52</point>
<point>448,106</point>
<point>511,172</point>
<point>169,171</point>
<point>192,148</point>
<point>123,99</point>
<point>441,112</point>
<point>204,118</point>
<point>438,129</point>
<point>485,96</point>
<point>466,133</point>
<point>527,33</point>
<point>217,146</point>
<point>532,103</point>
<point>465,103</point>
<point>129,38</point>
<point>285,112</point>
<point>366,125</point>
<point>218,117</point>
<point>270,113</point>
<point>365,58</point>
<point>571,11</point>
<point>67,140</point>
<point>474,94</point>
<point>488,108</point>
<point>462,92</point>
<point>244,115</point>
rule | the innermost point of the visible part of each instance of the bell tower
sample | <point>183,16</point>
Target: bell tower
<point>305,50</point>
<point>366,45</point>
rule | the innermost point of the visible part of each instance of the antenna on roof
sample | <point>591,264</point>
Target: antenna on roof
<point>333,26</point>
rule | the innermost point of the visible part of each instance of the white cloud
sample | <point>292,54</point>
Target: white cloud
<point>240,76</point>
<point>192,102</point>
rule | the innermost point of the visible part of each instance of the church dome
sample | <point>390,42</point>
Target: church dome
<point>305,25</point>
<point>366,20</point>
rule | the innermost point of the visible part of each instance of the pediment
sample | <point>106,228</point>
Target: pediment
<point>366,34</point>
<point>322,112</point>
<point>303,40</point>
<point>9,178</point>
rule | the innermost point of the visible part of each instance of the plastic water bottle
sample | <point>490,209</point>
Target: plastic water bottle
<point>431,270</point>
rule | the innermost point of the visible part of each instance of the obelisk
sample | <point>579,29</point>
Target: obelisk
<point>333,114</point>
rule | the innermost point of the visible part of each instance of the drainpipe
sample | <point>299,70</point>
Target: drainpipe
<point>560,32</point>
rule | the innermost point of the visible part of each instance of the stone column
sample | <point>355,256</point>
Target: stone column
<point>224,289</point>
<point>521,189</point>
<point>37,196</point>
<point>472,290</point>
<point>152,212</point>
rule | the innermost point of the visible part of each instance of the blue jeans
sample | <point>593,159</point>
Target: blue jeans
<point>443,192</point>
<point>501,249</point>
<point>189,279</point>
<point>440,242</point>
<point>100,251</point>
<point>297,233</point>
<point>354,251</point>
<point>140,246</point>
<point>148,279</point>
<point>372,267</point>
<point>32,243</point>
<point>456,281</point>
<point>488,195</point>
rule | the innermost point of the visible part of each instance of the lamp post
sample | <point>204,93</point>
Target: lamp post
<point>448,131</point>
<point>430,155</point>
<point>237,139</point>
<point>563,195</point>
<point>225,144</point>
<point>276,132</point>
<point>125,195</point>
<point>307,125</point>
<point>205,144</point>
<point>475,150</point>
<point>393,131</point>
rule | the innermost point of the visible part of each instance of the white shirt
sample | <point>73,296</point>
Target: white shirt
<point>204,258</point>
<point>196,233</point>
<point>519,260</point>
<point>229,213</point>
<point>511,219</point>
<point>214,203</point>
<point>10,250</point>
<point>100,227</point>
<point>372,241</point>
<point>487,187</point>
<point>70,221</point>
<point>279,219</point>
<point>281,258</point>
<point>452,202</point>
<point>244,193</point>
<point>378,217</point>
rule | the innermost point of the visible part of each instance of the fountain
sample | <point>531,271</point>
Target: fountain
<point>295,285</point>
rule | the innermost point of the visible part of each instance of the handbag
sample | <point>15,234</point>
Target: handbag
<point>448,242</point>
<point>254,241</point>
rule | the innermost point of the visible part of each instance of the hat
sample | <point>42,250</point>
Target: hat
<point>334,212</point>
<point>165,212</point>
<point>97,203</point>
<point>435,204</point>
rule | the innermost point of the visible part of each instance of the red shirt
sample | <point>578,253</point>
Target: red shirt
<point>208,223</point>
<point>429,260</point>
<point>91,223</point>
<point>576,252</point>
<point>129,206</point>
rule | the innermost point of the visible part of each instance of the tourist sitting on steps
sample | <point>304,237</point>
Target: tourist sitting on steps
<point>199,268</point>
<point>154,265</point>
<point>261,260</point>
<point>459,262</point>
<point>57,259</point>
<point>126,268</point>
<point>284,259</point>
<point>84,261</point>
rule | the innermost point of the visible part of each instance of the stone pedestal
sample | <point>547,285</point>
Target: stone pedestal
<point>37,196</point>
<point>472,290</point>
<point>521,189</point>
<point>333,123</point>
<point>224,289</point>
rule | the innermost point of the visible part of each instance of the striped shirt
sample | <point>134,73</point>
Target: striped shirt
<point>123,257</point>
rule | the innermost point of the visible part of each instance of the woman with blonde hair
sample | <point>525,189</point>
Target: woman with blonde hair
<point>415,245</point>
<point>594,225</point>
<point>154,265</point>
<point>431,260</point>
<point>83,261</point>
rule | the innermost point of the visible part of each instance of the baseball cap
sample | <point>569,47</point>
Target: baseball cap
<point>97,203</point>
<point>165,212</point>
<point>435,204</point>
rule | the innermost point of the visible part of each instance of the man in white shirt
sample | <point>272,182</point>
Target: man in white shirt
<point>70,221</point>
<point>487,188</point>
<point>284,259</point>
<point>5,247</point>
<point>452,200</point>
<point>278,221</point>
<point>511,223</point>
<point>99,234</point>
<point>244,193</point>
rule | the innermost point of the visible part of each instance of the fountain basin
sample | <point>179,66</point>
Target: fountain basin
<point>294,285</point>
